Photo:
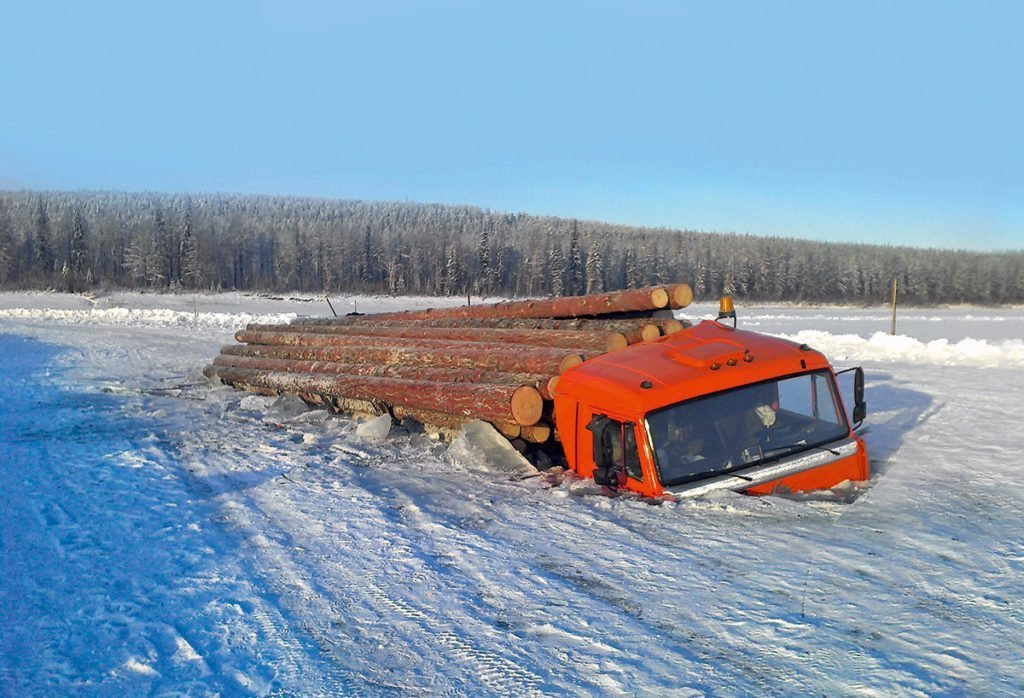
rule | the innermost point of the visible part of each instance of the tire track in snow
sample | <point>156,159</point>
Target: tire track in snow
<point>366,585</point>
<point>276,452</point>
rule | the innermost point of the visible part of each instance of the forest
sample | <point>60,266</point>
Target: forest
<point>76,241</point>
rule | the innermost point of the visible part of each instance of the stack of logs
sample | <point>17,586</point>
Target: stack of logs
<point>444,367</point>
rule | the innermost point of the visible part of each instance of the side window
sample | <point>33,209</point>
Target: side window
<point>795,395</point>
<point>615,448</point>
<point>809,396</point>
<point>632,454</point>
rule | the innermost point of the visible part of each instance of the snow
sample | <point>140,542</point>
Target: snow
<point>162,535</point>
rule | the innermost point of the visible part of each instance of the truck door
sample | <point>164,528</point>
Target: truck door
<point>616,457</point>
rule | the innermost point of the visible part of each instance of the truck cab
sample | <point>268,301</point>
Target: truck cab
<point>706,408</point>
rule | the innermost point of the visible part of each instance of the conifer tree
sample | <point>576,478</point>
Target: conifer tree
<point>556,267</point>
<point>43,252</point>
<point>574,264</point>
<point>595,269</point>
<point>191,276</point>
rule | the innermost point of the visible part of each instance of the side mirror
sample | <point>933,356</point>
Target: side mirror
<point>860,408</point>
<point>860,411</point>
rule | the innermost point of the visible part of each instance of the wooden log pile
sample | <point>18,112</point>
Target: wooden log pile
<point>444,367</point>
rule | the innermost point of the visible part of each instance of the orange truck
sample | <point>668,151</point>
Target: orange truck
<point>711,408</point>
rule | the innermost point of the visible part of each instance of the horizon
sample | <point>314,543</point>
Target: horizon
<point>866,125</point>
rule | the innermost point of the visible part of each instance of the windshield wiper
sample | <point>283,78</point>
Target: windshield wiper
<point>711,473</point>
<point>797,446</point>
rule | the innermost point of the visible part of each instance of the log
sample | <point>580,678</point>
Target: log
<point>506,359</point>
<point>679,296</point>
<point>509,430</point>
<point>643,299</point>
<point>673,326</point>
<point>644,333</point>
<point>565,339</point>
<point>537,433</point>
<point>552,386</point>
<point>599,324</point>
<point>568,362</point>
<point>492,403</point>
<point>356,342</point>
<point>440,375</point>
<point>431,421</point>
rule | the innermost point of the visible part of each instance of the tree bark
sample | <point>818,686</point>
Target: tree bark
<point>440,375</point>
<point>506,360</point>
<point>598,304</point>
<point>592,324</point>
<point>566,339</point>
<point>520,404</point>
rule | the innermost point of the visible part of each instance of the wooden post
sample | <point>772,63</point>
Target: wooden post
<point>893,330</point>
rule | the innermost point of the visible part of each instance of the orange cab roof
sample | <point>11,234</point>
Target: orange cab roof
<point>703,359</point>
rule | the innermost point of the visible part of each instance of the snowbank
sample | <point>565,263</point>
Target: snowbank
<point>129,317</point>
<point>891,348</point>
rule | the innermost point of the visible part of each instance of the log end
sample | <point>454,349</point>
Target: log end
<point>659,297</point>
<point>537,434</point>
<point>616,341</point>
<point>552,385</point>
<point>681,295</point>
<point>672,326</point>
<point>510,430</point>
<point>527,405</point>
<point>569,361</point>
<point>649,331</point>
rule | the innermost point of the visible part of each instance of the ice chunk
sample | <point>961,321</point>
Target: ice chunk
<point>287,407</point>
<point>376,429</point>
<point>479,445</point>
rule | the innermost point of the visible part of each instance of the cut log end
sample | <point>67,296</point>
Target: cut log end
<point>537,434</point>
<point>552,384</point>
<point>672,326</point>
<point>659,298</point>
<point>569,361</point>
<point>509,430</point>
<point>649,332</point>
<point>527,405</point>
<point>680,296</point>
<point>616,341</point>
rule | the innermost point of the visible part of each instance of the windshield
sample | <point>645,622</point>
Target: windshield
<point>745,426</point>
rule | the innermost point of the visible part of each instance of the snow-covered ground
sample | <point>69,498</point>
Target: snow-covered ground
<point>163,536</point>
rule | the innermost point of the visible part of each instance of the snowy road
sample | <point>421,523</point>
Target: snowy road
<point>161,539</point>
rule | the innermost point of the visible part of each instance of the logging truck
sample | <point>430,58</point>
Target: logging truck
<point>611,386</point>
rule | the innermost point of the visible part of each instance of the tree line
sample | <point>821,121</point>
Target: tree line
<point>75,241</point>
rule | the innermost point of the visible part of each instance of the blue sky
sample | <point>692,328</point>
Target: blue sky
<point>869,121</point>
